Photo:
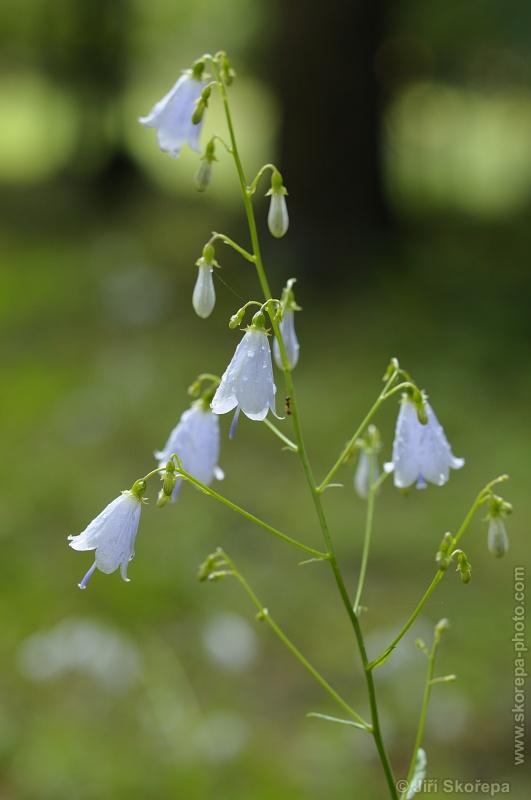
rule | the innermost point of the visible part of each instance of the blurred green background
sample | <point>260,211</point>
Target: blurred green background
<point>403,131</point>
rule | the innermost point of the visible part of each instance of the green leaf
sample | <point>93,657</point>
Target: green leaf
<point>419,773</point>
<point>337,720</point>
<point>382,658</point>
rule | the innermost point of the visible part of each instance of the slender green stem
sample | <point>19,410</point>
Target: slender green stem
<point>254,184</point>
<point>368,531</point>
<point>382,658</point>
<point>245,190</point>
<point>265,615</point>
<point>426,698</point>
<point>480,499</point>
<point>231,243</point>
<point>338,577</point>
<point>386,392</point>
<point>289,444</point>
<point>250,517</point>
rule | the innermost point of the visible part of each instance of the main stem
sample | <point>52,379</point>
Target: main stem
<point>376,730</point>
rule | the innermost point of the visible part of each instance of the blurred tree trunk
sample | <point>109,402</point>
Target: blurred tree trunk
<point>85,46</point>
<point>330,140</point>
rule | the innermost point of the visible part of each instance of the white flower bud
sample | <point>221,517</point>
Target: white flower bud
<point>497,539</point>
<point>277,219</point>
<point>204,296</point>
<point>289,338</point>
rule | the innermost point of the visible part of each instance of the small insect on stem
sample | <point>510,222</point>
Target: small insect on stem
<point>287,407</point>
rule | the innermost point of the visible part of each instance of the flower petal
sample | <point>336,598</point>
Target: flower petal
<point>112,534</point>
<point>421,453</point>
<point>173,116</point>
<point>195,440</point>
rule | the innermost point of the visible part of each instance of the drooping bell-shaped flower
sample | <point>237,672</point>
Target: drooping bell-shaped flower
<point>421,453</point>
<point>173,114</point>
<point>195,440</point>
<point>247,383</point>
<point>289,337</point>
<point>112,534</point>
<point>277,218</point>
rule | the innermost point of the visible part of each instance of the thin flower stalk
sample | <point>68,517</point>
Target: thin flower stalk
<point>264,614</point>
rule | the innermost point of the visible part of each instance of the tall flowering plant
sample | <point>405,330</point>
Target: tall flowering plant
<point>421,453</point>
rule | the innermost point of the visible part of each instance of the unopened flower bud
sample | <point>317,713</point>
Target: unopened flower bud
<point>277,219</point>
<point>367,472</point>
<point>203,176</point>
<point>204,296</point>
<point>169,480</point>
<point>497,539</point>
<point>442,556</point>
<point>204,173</point>
<point>138,488</point>
<point>227,73</point>
<point>259,320</point>
<point>464,567</point>
<point>199,110</point>
<point>441,626</point>
<point>162,499</point>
